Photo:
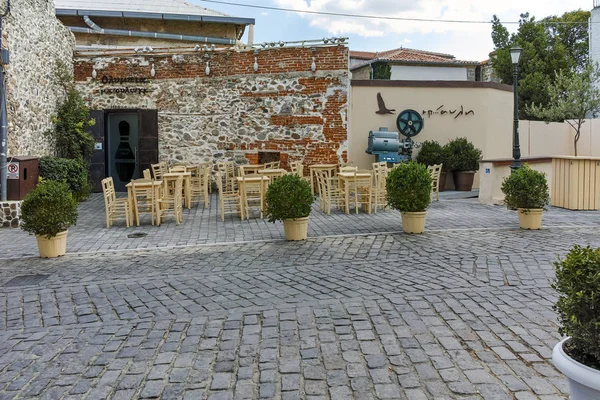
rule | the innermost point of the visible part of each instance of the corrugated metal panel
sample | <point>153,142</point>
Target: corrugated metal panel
<point>144,6</point>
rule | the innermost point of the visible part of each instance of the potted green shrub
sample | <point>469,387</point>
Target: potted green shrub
<point>578,307</point>
<point>526,190</point>
<point>463,161</point>
<point>73,172</point>
<point>432,153</point>
<point>47,212</point>
<point>409,191</point>
<point>289,199</point>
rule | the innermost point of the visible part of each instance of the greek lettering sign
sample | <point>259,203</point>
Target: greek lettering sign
<point>123,85</point>
<point>13,170</point>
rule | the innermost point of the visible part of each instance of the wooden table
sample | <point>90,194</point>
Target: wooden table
<point>272,173</point>
<point>346,176</point>
<point>187,185</point>
<point>143,184</point>
<point>318,167</point>
<point>252,168</point>
<point>254,178</point>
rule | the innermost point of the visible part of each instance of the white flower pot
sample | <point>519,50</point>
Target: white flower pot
<point>530,218</point>
<point>296,229</point>
<point>413,222</point>
<point>54,247</point>
<point>584,382</point>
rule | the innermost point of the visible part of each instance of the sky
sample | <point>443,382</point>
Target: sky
<point>465,41</point>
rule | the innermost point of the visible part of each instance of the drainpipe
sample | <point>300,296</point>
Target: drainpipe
<point>95,29</point>
<point>4,59</point>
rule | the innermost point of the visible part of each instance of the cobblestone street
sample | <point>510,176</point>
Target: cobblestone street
<point>461,312</point>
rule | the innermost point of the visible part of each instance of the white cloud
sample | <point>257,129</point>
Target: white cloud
<point>476,37</point>
<point>264,13</point>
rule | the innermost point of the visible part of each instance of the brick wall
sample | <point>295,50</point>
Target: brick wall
<point>233,112</point>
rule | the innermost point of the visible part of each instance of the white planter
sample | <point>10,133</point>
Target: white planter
<point>413,222</point>
<point>530,218</point>
<point>584,382</point>
<point>296,229</point>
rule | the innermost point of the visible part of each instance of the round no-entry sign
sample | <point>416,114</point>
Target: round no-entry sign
<point>13,168</point>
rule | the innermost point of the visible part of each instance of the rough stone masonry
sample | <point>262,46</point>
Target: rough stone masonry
<point>40,46</point>
<point>233,111</point>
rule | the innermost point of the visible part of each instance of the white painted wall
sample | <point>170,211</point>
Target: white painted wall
<point>422,73</point>
<point>595,35</point>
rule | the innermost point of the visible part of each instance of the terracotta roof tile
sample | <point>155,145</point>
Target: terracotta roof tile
<point>409,55</point>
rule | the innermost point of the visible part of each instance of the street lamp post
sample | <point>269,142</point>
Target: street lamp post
<point>515,55</point>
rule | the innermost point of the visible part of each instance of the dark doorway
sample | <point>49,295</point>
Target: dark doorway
<point>268,156</point>
<point>126,143</point>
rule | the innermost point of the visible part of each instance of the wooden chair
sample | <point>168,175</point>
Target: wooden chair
<point>147,174</point>
<point>348,169</point>
<point>114,207</point>
<point>227,170</point>
<point>200,183</point>
<point>359,191</point>
<point>229,200</point>
<point>252,194</point>
<point>329,191</point>
<point>436,172</point>
<point>172,198</point>
<point>159,169</point>
<point>143,201</point>
<point>379,190</point>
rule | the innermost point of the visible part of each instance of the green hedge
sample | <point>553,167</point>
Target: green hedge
<point>73,172</point>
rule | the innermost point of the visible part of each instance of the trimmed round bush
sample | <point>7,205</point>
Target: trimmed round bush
<point>431,153</point>
<point>288,197</point>
<point>409,187</point>
<point>73,172</point>
<point>462,155</point>
<point>48,209</point>
<point>526,188</point>
<point>578,306</point>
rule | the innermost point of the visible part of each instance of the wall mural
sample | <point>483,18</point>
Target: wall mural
<point>441,110</point>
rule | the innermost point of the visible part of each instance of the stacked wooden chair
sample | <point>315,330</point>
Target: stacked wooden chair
<point>330,193</point>
<point>380,172</point>
<point>144,202</point>
<point>201,183</point>
<point>114,207</point>
<point>359,191</point>
<point>227,171</point>
<point>172,199</point>
<point>159,169</point>
<point>436,172</point>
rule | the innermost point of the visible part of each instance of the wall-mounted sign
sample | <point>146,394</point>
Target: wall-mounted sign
<point>443,111</point>
<point>13,170</point>
<point>124,89</point>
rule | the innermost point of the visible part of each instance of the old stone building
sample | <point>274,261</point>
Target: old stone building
<point>288,103</point>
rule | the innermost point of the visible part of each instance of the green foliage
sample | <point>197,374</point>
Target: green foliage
<point>462,155</point>
<point>73,172</point>
<point>578,306</point>
<point>526,188</point>
<point>409,187</point>
<point>572,97</point>
<point>69,134</point>
<point>546,47</point>
<point>289,197</point>
<point>382,71</point>
<point>48,209</point>
<point>431,153</point>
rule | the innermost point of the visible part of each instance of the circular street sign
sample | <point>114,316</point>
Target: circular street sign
<point>12,168</point>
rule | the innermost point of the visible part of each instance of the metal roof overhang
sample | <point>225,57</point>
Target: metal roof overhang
<point>144,15</point>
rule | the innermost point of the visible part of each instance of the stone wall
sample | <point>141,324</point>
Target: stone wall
<point>38,44</point>
<point>233,112</point>
<point>10,214</point>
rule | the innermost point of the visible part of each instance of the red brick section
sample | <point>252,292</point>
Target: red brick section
<point>273,61</point>
<point>224,63</point>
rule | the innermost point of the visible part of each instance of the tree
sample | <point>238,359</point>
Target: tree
<point>572,97</point>
<point>382,71</point>
<point>548,46</point>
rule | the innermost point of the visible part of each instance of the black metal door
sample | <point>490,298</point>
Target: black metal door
<point>98,163</point>
<point>148,139</point>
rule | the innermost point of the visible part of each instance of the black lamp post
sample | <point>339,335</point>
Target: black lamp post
<point>515,55</point>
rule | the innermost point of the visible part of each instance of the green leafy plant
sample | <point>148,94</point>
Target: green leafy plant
<point>462,155</point>
<point>526,188</point>
<point>382,71</point>
<point>73,172</point>
<point>578,306</point>
<point>431,153</point>
<point>69,133</point>
<point>289,197</point>
<point>409,187</point>
<point>48,209</point>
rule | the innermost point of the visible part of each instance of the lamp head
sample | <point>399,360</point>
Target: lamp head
<point>515,54</point>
